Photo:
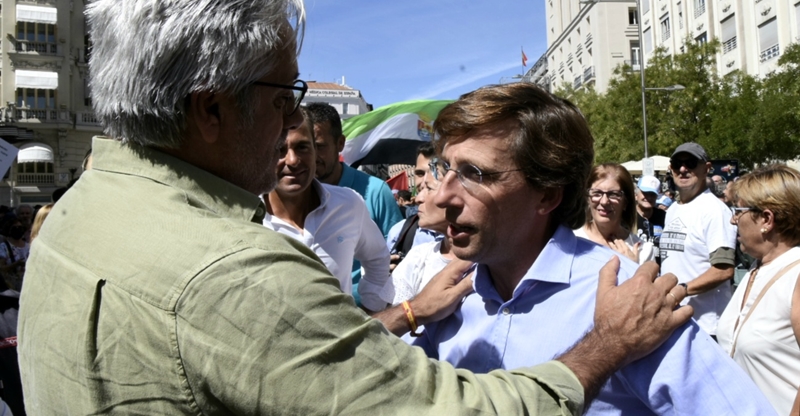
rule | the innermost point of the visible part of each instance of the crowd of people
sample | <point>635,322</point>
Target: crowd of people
<point>220,259</point>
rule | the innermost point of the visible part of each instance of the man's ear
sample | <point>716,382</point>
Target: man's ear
<point>550,200</point>
<point>205,114</point>
<point>340,143</point>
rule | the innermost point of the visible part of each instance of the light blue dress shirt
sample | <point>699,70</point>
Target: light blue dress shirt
<point>553,307</point>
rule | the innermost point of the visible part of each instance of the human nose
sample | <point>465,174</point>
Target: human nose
<point>290,158</point>
<point>447,190</point>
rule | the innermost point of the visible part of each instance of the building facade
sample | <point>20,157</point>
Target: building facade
<point>588,40</point>
<point>347,101</point>
<point>45,102</point>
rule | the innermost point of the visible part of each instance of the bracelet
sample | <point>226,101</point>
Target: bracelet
<point>685,287</point>
<point>412,322</point>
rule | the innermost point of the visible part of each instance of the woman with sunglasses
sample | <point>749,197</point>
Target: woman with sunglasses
<point>611,214</point>
<point>760,328</point>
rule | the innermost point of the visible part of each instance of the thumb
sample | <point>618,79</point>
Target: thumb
<point>608,276</point>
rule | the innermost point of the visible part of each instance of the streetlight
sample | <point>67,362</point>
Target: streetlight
<point>676,87</point>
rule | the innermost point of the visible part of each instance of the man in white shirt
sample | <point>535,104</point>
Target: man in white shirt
<point>698,241</point>
<point>332,221</point>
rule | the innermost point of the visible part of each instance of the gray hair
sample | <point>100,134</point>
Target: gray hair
<point>148,56</point>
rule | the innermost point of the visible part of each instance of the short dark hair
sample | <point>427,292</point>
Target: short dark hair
<point>552,144</point>
<point>427,150</point>
<point>324,112</point>
<point>404,195</point>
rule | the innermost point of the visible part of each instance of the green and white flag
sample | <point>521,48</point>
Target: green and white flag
<point>390,134</point>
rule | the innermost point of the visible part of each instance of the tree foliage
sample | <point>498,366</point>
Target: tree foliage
<point>738,116</point>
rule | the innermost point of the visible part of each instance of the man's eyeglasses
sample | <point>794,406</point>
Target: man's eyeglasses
<point>299,88</point>
<point>677,163</point>
<point>468,175</point>
<point>614,196</point>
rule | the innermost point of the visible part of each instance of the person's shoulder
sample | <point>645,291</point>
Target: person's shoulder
<point>591,257</point>
<point>342,193</point>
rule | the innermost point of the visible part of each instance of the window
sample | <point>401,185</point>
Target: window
<point>36,98</point>
<point>729,34</point>
<point>648,41</point>
<point>36,37</point>
<point>633,17</point>
<point>645,6</point>
<point>702,39</point>
<point>635,55</point>
<point>768,40</point>
<point>699,7</point>
<point>665,28</point>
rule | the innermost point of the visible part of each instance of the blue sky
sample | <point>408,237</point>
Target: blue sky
<point>409,49</point>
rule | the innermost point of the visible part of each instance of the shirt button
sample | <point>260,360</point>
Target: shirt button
<point>506,311</point>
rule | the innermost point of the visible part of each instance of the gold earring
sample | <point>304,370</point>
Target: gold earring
<point>764,230</point>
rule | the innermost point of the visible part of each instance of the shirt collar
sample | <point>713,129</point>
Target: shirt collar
<point>348,176</point>
<point>199,186</point>
<point>553,265</point>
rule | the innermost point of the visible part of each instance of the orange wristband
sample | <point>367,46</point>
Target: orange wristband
<point>412,322</point>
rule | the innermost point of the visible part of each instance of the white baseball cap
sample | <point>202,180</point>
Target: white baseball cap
<point>650,184</point>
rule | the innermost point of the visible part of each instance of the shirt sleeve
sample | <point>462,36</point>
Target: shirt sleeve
<point>265,332</point>
<point>404,275</point>
<point>375,286</point>
<point>385,209</point>
<point>719,230</point>
<point>691,375</point>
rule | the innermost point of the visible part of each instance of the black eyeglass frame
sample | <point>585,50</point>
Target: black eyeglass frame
<point>303,88</point>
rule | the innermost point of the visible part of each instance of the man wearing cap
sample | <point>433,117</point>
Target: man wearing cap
<point>698,241</point>
<point>650,221</point>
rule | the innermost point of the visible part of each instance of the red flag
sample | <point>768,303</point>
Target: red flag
<point>524,59</point>
<point>399,181</point>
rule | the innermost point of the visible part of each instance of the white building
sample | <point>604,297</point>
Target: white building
<point>586,41</point>
<point>347,101</point>
<point>45,107</point>
<point>753,32</point>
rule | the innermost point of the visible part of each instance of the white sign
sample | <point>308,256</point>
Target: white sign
<point>648,166</point>
<point>8,153</point>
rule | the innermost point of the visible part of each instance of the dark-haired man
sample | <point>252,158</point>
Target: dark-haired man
<point>514,163</point>
<point>330,141</point>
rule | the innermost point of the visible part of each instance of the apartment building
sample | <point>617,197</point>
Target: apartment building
<point>753,32</point>
<point>45,105</point>
<point>588,40</point>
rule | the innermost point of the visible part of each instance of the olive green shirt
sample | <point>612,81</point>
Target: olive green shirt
<point>153,289</point>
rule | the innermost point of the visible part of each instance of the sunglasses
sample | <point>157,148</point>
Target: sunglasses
<point>676,164</point>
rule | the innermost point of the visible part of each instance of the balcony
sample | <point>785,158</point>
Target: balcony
<point>25,115</point>
<point>634,64</point>
<point>42,48</point>
<point>699,9</point>
<point>87,121</point>
<point>729,45</point>
<point>577,82</point>
<point>588,74</point>
<point>36,178</point>
<point>770,53</point>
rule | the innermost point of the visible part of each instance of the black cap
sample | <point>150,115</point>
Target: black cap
<point>693,149</point>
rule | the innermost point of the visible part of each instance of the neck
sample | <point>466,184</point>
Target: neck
<point>293,208</point>
<point>779,247</point>
<point>688,195</point>
<point>605,233</point>
<point>507,274</point>
<point>335,176</point>
<point>644,212</point>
